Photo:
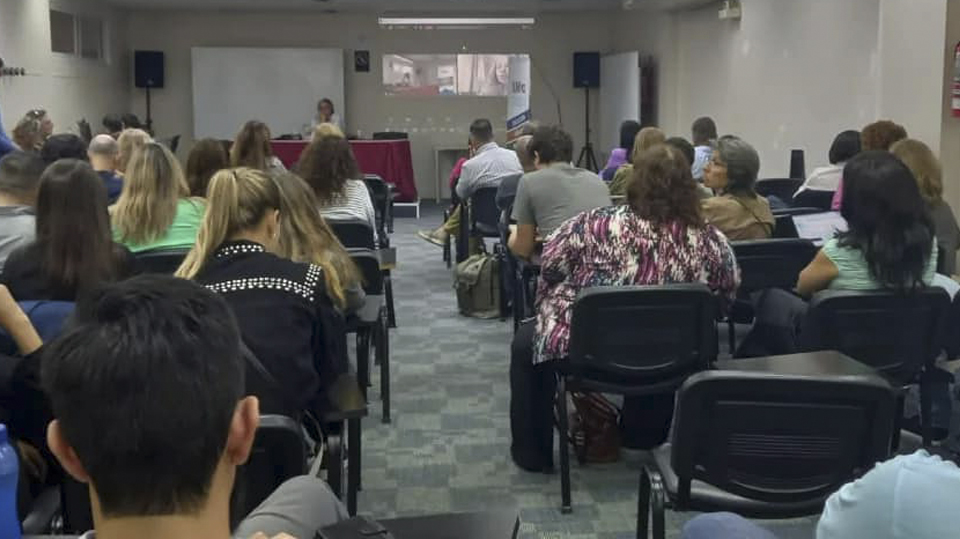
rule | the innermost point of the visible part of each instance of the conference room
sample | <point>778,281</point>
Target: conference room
<point>479,269</point>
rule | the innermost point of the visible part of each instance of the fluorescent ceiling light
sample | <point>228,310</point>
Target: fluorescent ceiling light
<point>457,21</point>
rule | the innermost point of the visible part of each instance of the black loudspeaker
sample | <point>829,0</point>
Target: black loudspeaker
<point>148,69</point>
<point>586,70</point>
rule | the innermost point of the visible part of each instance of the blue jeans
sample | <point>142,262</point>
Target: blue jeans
<point>723,526</point>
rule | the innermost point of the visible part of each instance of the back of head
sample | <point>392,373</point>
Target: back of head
<point>326,164</point>
<point>628,133</point>
<point>153,186</point>
<point>63,146</point>
<point>521,145</point>
<point>481,131</point>
<point>131,121</point>
<point>113,123</point>
<point>663,190</point>
<point>529,128</point>
<point>647,138</point>
<point>20,176</point>
<point>687,149</point>
<point>844,147</point>
<point>130,141</point>
<point>704,130</point>
<point>237,201</point>
<point>144,385</point>
<point>28,133</point>
<point>551,144</point>
<point>881,135</point>
<point>743,165</point>
<point>206,158</point>
<point>73,228</point>
<point>251,148</point>
<point>888,219</point>
<point>924,165</point>
<point>328,130</point>
<point>104,146</point>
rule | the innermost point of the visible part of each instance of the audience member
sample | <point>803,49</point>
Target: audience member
<point>73,251</point>
<point>489,165</point>
<point>206,159</point>
<point>147,387</point>
<point>305,237</point>
<point>131,121</point>
<point>685,148</point>
<point>326,114</point>
<point>329,167</point>
<point>154,210</point>
<point>878,136</point>
<point>129,143</point>
<point>283,308</point>
<point>63,146</point>
<point>845,146</point>
<point>647,138</point>
<point>252,149</point>
<point>6,145</point>
<point>556,192</point>
<point>621,155</point>
<point>328,130</point>
<point>926,169</point>
<point>704,136</point>
<point>907,497</point>
<point>737,210</point>
<point>113,124</point>
<point>660,237</point>
<point>103,153</point>
<point>33,130</point>
<point>507,190</point>
<point>19,179</point>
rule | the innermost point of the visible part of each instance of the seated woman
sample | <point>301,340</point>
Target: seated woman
<point>647,138</point>
<point>207,157</point>
<point>32,130</point>
<point>305,237</point>
<point>621,155</point>
<point>876,136</point>
<point>282,307</point>
<point>329,167</point>
<point>130,142</point>
<point>663,235</point>
<point>737,210</point>
<point>845,146</point>
<point>926,169</point>
<point>252,149</point>
<point>155,210</point>
<point>73,251</point>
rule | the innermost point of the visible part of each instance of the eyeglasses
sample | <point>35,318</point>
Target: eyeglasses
<point>36,114</point>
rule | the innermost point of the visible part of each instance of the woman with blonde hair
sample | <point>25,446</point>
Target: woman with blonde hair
<point>928,172</point>
<point>647,138</point>
<point>155,210</point>
<point>305,237</point>
<point>328,130</point>
<point>252,149</point>
<point>129,141</point>
<point>286,318</point>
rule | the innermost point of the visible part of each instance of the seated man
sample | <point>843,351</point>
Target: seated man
<point>103,152</point>
<point>19,180</point>
<point>489,165</point>
<point>554,193</point>
<point>147,391</point>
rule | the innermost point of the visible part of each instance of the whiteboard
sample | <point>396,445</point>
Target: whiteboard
<point>280,87</point>
<point>619,95</point>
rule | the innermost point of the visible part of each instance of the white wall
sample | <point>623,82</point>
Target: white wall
<point>551,45</point>
<point>68,87</point>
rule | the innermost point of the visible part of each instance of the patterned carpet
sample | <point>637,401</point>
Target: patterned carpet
<point>447,449</point>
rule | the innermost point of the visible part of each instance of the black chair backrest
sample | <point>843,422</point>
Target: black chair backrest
<point>951,334</point>
<point>353,234</point>
<point>772,263</point>
<point>390,135</point>
<point>369,265</point>
<point>659,334</point>
<point>279,453</point>
<point>782,188</point>
<point>161,261</point>
<point>484,212</point>
<point>380,196</point>
<point>897,334</point>
<point>779,438</point>
<point>821,200</point>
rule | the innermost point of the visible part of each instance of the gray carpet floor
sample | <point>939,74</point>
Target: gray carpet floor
<point>447,449</point>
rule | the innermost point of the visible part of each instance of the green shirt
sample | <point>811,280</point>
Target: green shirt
<point>854,271</point>
<point>182,232</point>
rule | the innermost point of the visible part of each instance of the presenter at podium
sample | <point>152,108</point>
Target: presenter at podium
<point>327,114</point>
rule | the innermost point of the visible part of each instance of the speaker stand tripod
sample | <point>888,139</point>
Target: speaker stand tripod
<point>149,123</point>
<point>588,159</point>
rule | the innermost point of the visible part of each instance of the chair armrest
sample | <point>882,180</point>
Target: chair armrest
<point>346,400</point>
<point>42,512</point>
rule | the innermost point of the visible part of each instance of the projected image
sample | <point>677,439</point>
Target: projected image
<point>486,75</point>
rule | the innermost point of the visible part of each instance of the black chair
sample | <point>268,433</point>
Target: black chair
<point>161,261</point>
<point>371,324</point>
<point>634,341</point>
<point>382,200</point>
<point>355,234</point>
<point>782,188</point>
<point>900,335</point>
<point>765,445</point>
<point>774,263</point>
<point>951,334</point>
<point>822,200</point>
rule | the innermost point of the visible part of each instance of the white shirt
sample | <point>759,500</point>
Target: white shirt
<point>490,165</point>
<point>823,179</point>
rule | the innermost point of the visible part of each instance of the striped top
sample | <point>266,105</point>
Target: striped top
<point>613,246</point>
<point>353,204</point>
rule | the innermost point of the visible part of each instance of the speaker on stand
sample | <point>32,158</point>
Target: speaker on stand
<point>586,75</point>
<point>148,73</point>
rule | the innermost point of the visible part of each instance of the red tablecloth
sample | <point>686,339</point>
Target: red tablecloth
<point>389,159</point>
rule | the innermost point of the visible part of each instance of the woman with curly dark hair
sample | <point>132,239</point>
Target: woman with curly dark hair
<point>329,167</point>
<point>660,237</point>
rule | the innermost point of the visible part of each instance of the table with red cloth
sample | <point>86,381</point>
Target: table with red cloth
<point>389,159</point>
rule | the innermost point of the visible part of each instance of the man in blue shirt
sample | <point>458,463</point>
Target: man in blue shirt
<point>103,152</point>
<point>704,136</point>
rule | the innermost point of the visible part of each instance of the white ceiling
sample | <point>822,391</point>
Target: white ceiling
<point>410,6</point>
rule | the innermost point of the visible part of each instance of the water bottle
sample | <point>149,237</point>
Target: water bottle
<point>9,473</point>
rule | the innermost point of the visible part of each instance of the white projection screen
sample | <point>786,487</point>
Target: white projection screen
<point>280,87</point>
